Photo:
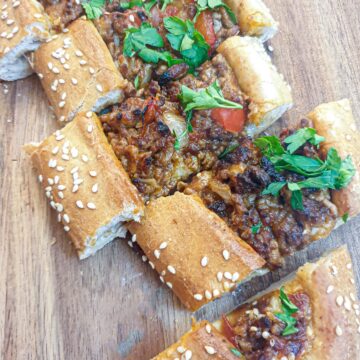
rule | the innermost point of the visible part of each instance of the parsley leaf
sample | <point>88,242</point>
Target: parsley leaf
<point>184,38</point>
<point>149,5</point>
<point>236,352</point>
<point>300,137</point>
<point>270,146</point>
<point>188,129</point>
<point>274,188</point>
<point>165,4</point>
<point>203,5</point>
<point>288,309</point>
<point>137,82</point>
<point>345,217</point>
<point>93,8</point>
<point>228,150</point>
<point>145,42</point>
<point>256,228</point>
<point>208,98</point>
<point>130,4</point>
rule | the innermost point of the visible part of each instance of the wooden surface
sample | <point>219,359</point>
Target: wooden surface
<point>112,306</point>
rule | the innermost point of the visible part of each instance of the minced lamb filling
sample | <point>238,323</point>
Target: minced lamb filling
<point>259,334</point>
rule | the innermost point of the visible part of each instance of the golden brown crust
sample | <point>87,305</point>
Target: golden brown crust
<point>186,242</point>
<point>83,179</point>
<point>258,79</point>
<point>77,71</point>
<point>254,18</point>
<point>19,18</point>
<point>336,123</point>
<point>203,342</point>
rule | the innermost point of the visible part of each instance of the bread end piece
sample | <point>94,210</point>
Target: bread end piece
<point>335,122</point>
<point>24,26</point>
<point>77,71</point>
<point>269,94</point>
<point>86,184</point>
<point>196,254</point>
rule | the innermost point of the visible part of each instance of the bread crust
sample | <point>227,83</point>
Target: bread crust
<point>200,340</point>
<point>77,71</point>
<point>185,242</point>
<point>84,181</point>
<point>336,123</point>
<point>269,94</point>
<point>254,18</point>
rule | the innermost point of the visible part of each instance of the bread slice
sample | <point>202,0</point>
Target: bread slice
<point>23,26</point>
<point>269,94</point>
<point>336,123</point>
<point>86,184</point>
<point>254,18</point>
<point>332,331</point>
<point>77,71</point>
<point>193,250</point>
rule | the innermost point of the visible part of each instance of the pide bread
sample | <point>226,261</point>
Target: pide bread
<point>336,123</point>
<point>193,250</point>
<point>269,94</point>
<point>77,71</point>
<point>254,18</point>
<point>23,26</point>
<point>85,184</point>
<point>328,330</point>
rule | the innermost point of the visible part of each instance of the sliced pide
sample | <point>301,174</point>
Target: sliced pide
<point>312,316</point>
<point>77,72</point>
<point>85,184</point>
<point>23,26</point>
<point>193,250</point>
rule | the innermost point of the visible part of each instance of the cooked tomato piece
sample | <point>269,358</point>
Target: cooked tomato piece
<point>230,119</point>
<point>204,24</point>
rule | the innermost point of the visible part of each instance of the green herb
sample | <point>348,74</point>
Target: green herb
<point>213,4</point>
<point>345,217</point>
<point>236,352</point>
<point>137,82</point>
<point>184,38</point>
<point>146,42</point>
<point>228,150</point>
<point>149,5</point>
<point>188,129</point>
<point>93,8</point>
<point>288,309</point>
<point>208,98</point>
<point>333,173</point>
<point>165,4</point>
<point>256,228</point>
<point>301,136</point>
<point>130,4</point>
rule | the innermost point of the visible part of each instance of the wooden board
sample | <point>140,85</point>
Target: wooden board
<point>112,306</point>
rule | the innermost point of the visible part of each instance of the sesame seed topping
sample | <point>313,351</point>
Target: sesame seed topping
<point>130,243</point>
<point>265,334</point>
<point>78,53</point>
<point>79,204</point>
<point>157,253</point>
<point>91,206</point>
<point>61,187</point>
<point>90,128</point>
<point>219,276</point>
<point>61,194</point>
<point>60,168</point>
<point>171,269</point>
<point>334,270</point>
<point>50,65</point>
<point>131,18</point>
<point>235,276</point>
<point>349,266</point>
<point>94,188</point>
<point>61,104</point>
<point>65,157</point>
<point>161,279</point>
<point>50,181</point>
<point>55,150</point>
<point>227,275</point>
<point>66,228</point>
<point>152,264</point>
<point>226,255</point>
<point>75,188</point>
<point>210,350</point>
<point>352,297</point>
<point>66,218</point>
<point>163,245</point>
<point>204,261</point>
<point>198,297</point>
<point>91,70</point>
<point>74,81</point>
<point>330,289</point>
<point>74,152</point>
<point>89,114</point>
<point>347,304</point>
<point>180,349</point>
<point>188,354</point>
<point>84,158</point>
<point>74,170</point>
<point>169,284</point>
<point>55,70</point>
<point>208,294</point>
<point>208,328</point>
<point>338,330</point>
<point>63,95</point>
<point>66,66</point>
<point>92,173</point>
<point>41,76</point>
<point>82,62</point>
<point>99,88</point>
<point>339,300</point>
<point>40,178</point>
<point>216,292</point>
<point>144,258</point>
<point>56,179</point>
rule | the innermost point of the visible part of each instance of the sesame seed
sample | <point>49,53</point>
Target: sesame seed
<point>152,264</point>
<point>131,18</point>
<point>92,173</point>
<point>204,261</point>
<point>84,158</point>
<point>352,297</point>
<point>216,293</point>
<point>40,178</point>
<point>99,88</point>
<point>59,207</point>
<point>52,163</point>
<point>144,258</point>
<point>74,81</point>
<point>356,306</point>
<point>130,243</point>
<point>180,349</point>
<point>61,187</point>
<point>227,275</point>
<point>349,266</point>
<point>50,65</point>
<point>161,279</point>
<point>334,270</point>
<point>66,66</point>
<point>90,128</point>
<point>65,157</point>
<point>66,228</point>
<point>163,245</point>
<point>55,150</point>
<point>198,297</point>
<point>78,53</point>
<point>330,289</point>
<point>89,114</point>
<point>74,152</point>
<point>171,269</point>
<point>56,179</point>
<point>208,328</point>
<point>78,181</point>
<point>226,255</point>
<point>91,206</point>
<point>235,277</point>
<point>61,104</point>
<point>338,330</point>
<point>339,300</point>
<point>50,181</point>
<point>91,70</point>
<point>210,350</point>
<point>265,334</point>
<point>188,354</point>
<point>347,304</point>
<point>63,96</point>
<point>94,188</point>
<point>208,294</point>
<point>66,218</point>
<point>82,62</point>
<point>55,70</point>
<point>75,188</point>
<point>169,284</point>
<point>74,170</point>
<point>157,253</point>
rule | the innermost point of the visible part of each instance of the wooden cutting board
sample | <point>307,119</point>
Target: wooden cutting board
<point>112,306</point>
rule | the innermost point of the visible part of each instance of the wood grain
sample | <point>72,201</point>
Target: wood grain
<point>112,306</point>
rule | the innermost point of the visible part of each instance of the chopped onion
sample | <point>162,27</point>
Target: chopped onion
<point>177,125</point>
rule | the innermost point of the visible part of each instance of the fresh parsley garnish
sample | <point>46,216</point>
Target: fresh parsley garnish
<point>130,4</point>
<point>137,82</point>
<point>149,5</point>
<point>288,309</point>
<point>333,173</point>
<point>345,217</point>
<point>165,3</point>
<point>146,43</point>
<point>228,150</point>
<point>93,8</point>
<point>184,38</point>
<point>208,98</point>
<point>256,228</point>
<point>236,352</point>
<point>203,5</point>
<point>188,129</point>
